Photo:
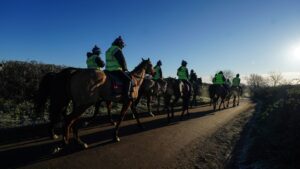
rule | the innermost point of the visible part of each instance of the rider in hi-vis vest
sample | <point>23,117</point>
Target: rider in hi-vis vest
<point>183,74</point>
<point>236,81</point>
<point>93,60</point>
<point>116,65</point>
<point>158,73</point>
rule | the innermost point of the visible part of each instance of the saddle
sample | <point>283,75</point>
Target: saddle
<point>117,84</point>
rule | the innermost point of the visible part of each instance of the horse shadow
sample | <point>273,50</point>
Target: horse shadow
<point>42,150</point>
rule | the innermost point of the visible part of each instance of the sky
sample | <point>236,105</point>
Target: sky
<point>244,36</point>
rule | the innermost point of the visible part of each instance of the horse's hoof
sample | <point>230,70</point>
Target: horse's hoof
<point>113,123</point>
<point>57,150</point>
<point>151,114</point>
<point>117,139</point>
<point>54,137</point>
<point>85,146</point>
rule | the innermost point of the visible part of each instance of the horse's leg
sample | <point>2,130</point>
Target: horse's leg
<point>109,106</point>
<point>173,104</point>
<point>70,119</point>
<point>158,104</point>
<point>149,98</point>
<point>125,107</point>
<point>96,110</point>
<point>133,109</point>
<point>56,110</point>
<point>238,101</point>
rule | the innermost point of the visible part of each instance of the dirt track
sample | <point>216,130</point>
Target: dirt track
<point>158,146</point>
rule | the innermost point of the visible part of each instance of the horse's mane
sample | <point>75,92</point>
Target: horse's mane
<point>139,66</point>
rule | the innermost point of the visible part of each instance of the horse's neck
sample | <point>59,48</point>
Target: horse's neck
<point>138,76</point>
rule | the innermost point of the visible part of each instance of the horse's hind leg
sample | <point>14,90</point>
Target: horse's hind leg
<point>71,119</point>
<point>158,104</point>
<point>125,107</point>
<point>133,109</point>
<point>109,106</point>
<point>149,98</point>
<point>173,104</point>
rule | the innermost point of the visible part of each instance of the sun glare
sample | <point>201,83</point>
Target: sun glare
<point>294,52</point>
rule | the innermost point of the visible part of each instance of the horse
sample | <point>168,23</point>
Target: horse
<point>196,85</point>
<point>217,91</point>
<point>88,87</point>
<point>177,89</point>
<point>53,86</point>
<point>150,89</point>
<point>236,93</point>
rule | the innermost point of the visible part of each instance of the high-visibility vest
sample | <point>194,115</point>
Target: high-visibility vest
<point>236,81</point>
<point>157,72</point>
<point>112,63</point>
<point>181,73</point>
<point>91,62</point>
<point>219,79</point>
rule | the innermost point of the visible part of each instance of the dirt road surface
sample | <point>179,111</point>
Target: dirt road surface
<point>157,146</point>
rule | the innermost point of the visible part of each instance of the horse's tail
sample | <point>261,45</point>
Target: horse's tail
<point>43,92</point>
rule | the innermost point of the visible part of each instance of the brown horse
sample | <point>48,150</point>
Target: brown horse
<point>150,89</point>
<point>177,89</point>
<point>53,86</point>
<point>217,92</point>
<point>88,87</point>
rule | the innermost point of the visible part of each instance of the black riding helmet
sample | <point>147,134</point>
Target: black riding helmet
<point>159,63</point>
<point>237,75</point>
<point>183,63</point>
<point>119,42</point>
<point>96,50</point>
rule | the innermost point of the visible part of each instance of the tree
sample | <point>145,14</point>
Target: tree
<point>256,81</point>
<point>275,78</point>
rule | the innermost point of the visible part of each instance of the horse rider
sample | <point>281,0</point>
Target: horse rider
<point>183,75</point>
<point>221,80</point>
<point>193,76</point>
<point>236,81</point>
<point>228,82</point>
<point>158,73</point>
<point>116,65</point>
<point>214,79</point>
<point>93,60</point>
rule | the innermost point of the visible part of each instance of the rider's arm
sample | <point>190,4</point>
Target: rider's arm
<point>99,62</point>
<point>160,73</point>
<point>120,57</point>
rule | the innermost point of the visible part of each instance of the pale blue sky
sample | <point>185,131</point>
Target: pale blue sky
<point>245,36</point>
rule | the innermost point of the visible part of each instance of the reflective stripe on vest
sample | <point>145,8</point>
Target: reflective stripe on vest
<point>182,73</point>
<point>219,79</point>
<point>157,72</point>
<point>112,63</point>
<point>91,62</point>
<point>236,81</point>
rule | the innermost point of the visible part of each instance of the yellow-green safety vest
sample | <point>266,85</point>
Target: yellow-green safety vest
<point>91,62</point>
<point>181,73</point>
<point>112,63</point>
<point>219,79</point>
<point>157,72</point>
<point>236,81</point>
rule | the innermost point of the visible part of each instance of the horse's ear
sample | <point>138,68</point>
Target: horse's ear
<point>148,59</point>
<point>143,59</point>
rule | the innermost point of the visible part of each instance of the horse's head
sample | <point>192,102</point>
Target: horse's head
<point>147,65</point>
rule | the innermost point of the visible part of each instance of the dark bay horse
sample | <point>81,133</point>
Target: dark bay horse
<point>217,92</point>
<point>176,89</point>
<point>53,86</point>
<point>196,86</point>
<point>88,87</point>
<point>150,89</point>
